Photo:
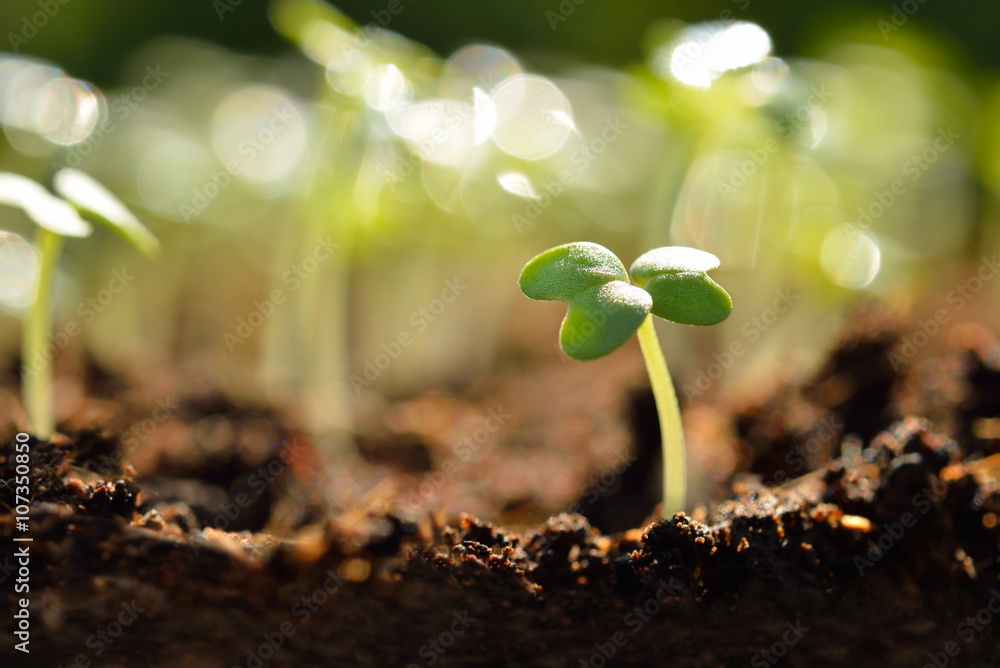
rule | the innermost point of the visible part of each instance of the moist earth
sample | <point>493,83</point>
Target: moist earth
<point>863,532</point>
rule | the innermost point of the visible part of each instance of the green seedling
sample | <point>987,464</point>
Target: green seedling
<point>606,309</point>
<point>58,218</point>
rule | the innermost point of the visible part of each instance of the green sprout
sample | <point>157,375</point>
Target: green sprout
<point>58,218</point>
<point>606,309</point>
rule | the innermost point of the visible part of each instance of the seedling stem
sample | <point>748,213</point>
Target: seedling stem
<point>38,382</point>
<point>669,413</point>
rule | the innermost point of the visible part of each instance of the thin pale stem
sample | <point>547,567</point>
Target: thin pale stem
<point>669,412</point>
<point>36,370</point>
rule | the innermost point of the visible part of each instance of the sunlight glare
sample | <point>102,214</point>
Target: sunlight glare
<point>704,52</point>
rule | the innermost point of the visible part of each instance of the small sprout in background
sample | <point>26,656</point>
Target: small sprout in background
<point>606,309</point>
<point>58,218</point>
<point>91,198</point>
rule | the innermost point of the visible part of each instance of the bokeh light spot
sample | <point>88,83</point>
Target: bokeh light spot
<point>418,120</point>
<point>260,132</point>
<point>452,141</point>
<point>18,271</point>
<point>518,184</point>
<point>386,88</point>
<point>532,116</point>
<point>349,73</point>
<point>68,110</point>
<point>476,66</point>
<point>770,75</point>
<point>486,115</point>
<point>39,102</point>
<point>850,257</point>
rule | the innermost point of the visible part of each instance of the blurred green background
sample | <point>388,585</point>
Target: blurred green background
<point>100,35</point>
<point>321,184</point>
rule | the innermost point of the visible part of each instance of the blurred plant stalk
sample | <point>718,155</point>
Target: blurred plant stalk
<point>38,381</point>
<point>305,356</point>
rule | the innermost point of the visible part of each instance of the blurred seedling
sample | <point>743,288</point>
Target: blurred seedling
<point>58,218</point>
<point>606,309</point>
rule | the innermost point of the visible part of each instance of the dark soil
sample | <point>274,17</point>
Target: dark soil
<point>865,534</point>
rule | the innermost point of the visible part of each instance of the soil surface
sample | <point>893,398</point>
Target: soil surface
<point>857,525</point>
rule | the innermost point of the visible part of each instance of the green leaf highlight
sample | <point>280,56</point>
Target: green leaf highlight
<point>671,259</point>
<point>682,292</point>
<point>565,271</point>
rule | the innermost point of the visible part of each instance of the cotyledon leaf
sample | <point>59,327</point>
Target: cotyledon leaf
<point>602,318</point>
<point>87,195</point>
<point>604,311</point>
<point>688,298</point>
<point>567,270</point>
<point>682,292</point>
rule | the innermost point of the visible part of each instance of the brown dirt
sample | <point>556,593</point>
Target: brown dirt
<point>349,568</point>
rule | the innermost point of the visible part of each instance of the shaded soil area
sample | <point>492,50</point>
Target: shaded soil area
<point>861,528</point>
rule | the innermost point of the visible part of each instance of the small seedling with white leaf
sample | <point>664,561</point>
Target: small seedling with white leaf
<point>58,218</point>
<point>606,309</point>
